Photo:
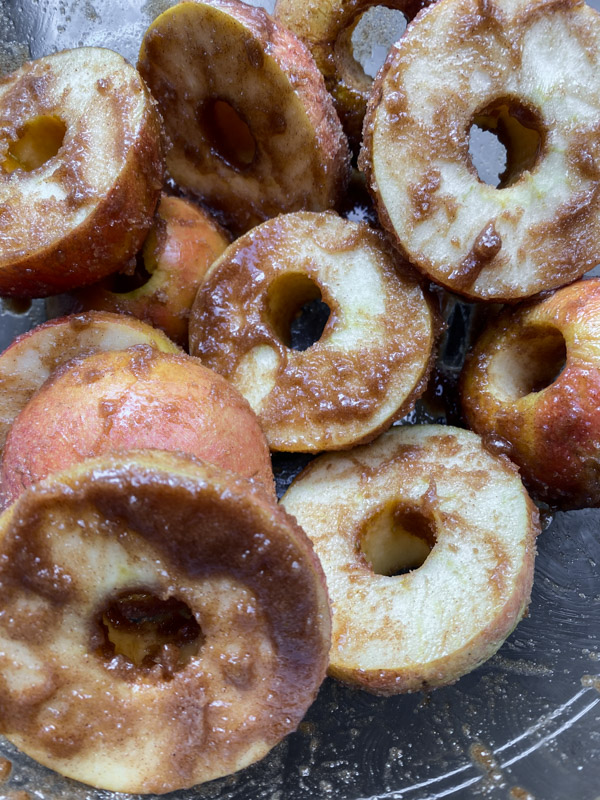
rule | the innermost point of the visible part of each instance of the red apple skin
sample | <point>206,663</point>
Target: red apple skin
<point>182,244</point>
<point>553,434</point>
<point>32,357</point>
<point>131,399</point>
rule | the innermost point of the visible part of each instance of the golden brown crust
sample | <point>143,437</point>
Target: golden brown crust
<point>85,212</point>
<point>428,627</point>
<point>373,358</point>
<point>246,59</point>
<point>416,139</point>
<point>531,386</point>
<point>139,397</point>
<point>326,27</point>
<point>179,529</point>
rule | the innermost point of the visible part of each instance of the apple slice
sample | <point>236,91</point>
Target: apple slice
<point>81,170</point>
<point>182,244</point>
<point>135,398</point>
<point>527,72</point>
<point>431,502</point>
<point>374,355</point>
<point>164,622</point>
<point>33,356</point>
<point>531,386</point>
<point>327,27</point>
<point>253,130</point>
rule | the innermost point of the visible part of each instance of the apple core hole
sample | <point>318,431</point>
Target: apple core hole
<point>148,631</point>
<point>16,305</point>
<point>505,141</point>
<point>370,37</point>
<point>529,363</point>
<point>296,311</point>
<point>38,141</point>
<point>398,539</point>
<point>228,134</point>
<point>125,282</point>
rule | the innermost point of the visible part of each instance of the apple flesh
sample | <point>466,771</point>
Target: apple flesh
<point>182,244</point>
<point>130,399</point>
<point>254,132</point>
<point>429,499</point>
<point>531,386</point>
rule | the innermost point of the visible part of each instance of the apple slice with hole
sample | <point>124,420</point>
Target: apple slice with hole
<point>253,130</point>
<point>134,398</point>
<point>182,244</point>
<point>33,356</point>
<point>329,28</point>
<point>531,386</point>
<point>164,622</point>
<point>428,544</point>
<point>81,168</point>
<point>374,348</point>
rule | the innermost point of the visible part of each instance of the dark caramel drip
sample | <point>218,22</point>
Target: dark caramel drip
<point>486,247</point>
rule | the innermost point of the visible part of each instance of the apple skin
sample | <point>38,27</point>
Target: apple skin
<point>550,430</point>
<point>31,358</point>
<point>182,244</point>
<point>131,399</point>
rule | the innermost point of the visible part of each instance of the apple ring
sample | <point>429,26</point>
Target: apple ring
<point>531,386</point>
<point>326,27</point>
<point>373,358</point>
<point>33,356</point>
<point>80,170</point>
<point>253,129</point>
<point>182,244</point>
<point>531,72</point>
<point>163,624</point>
<point>433,500</point>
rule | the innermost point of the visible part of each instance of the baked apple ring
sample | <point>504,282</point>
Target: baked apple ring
<point>253,129</point>
<point>432,500</point>
<point>326,27</point>
<point>529,71</point>
<point>80,170</point>
<point>163,624</point>
<point>531,386</point>
<point>371,362</point>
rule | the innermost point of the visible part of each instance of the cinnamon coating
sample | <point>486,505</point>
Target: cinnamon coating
<point>175,539</point>
<point>373,358</point>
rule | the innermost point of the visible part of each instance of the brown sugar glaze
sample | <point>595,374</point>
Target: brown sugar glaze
<point>333,389</point>
<point>245,570</point>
